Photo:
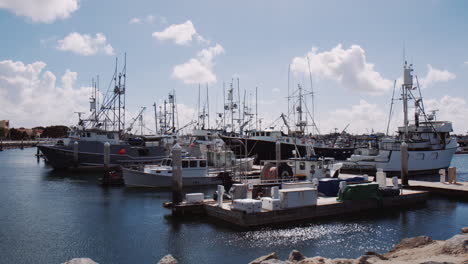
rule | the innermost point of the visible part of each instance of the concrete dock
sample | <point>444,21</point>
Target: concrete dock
<point>326,207</point>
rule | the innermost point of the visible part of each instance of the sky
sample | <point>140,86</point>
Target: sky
<point>52,49</point>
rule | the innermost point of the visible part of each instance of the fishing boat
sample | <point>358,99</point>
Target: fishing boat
<point>194,173</point>
<point>430,145</point>
<point>84,145</point>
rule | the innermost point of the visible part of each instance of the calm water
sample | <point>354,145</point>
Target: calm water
<point>51,217</point>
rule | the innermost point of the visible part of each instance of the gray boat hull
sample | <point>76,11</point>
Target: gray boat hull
<point>92,153</point>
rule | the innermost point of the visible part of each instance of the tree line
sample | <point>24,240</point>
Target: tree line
<point>47,132</point>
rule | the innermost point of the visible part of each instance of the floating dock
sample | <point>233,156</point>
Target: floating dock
<point>326,207</point>
<point>455,190</point>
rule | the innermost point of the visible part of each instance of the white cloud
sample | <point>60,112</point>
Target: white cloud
<point>30,96</point>
<point>466,62</point>
<point>349,67</point>
<point>135,20</point>
<point>434,76</point>
<point>149,19</point>
<point>362,117</point>
<point>199,69</point>
<point>450,108</point>
<point>44,11</point>
<point>181,34</point>
<point>275,90</point>
<point>85,44</point>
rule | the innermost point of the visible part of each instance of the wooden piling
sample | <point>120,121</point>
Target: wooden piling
<point>106,156</point>
<point>75,153</point>
<point>404,163</point>
<point>176,174</point>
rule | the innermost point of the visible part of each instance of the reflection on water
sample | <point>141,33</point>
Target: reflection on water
<point>51,216</point>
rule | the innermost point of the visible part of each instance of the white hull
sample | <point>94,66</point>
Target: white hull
<point>420,160</point>
<point>135,178</point>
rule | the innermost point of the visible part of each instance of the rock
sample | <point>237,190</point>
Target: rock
<point>343,261</point>
<point>464,230</point>
<point>295,255</point>
<point>314,260</point>
<point>413,242</point>
<point>263,258</point>
<point>80,261</point>
<point>375,254</point>
<point>456,245</point>
<point>274,261</point>
<point>168,259</point>
<point>436,262</point>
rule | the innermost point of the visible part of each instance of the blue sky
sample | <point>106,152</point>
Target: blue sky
<point>259,39</point>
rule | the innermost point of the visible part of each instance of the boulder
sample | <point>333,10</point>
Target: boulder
<point>436,262</point>
<point>295,255</point>
<point>80,261</point>
<point>263,258</point>
<point>275,261</point>
<point>168,259</point>
<point>456,245</point>
<point>413,242</point>
<point>464,230</point>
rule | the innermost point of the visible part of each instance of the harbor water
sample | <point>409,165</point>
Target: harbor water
<point>49,216</point>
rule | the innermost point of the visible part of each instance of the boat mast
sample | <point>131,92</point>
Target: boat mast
<point>256,107</point>
<point>391,107</point>
<point>198,108</point>
<point>155,118</point>
<point>207,107</point>
<point>407,85</point>
<point>239,102</point>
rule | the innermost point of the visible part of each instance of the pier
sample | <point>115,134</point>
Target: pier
<point>326,207</point>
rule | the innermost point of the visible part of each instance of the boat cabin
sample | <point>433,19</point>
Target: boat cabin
<point>191,167</point>
<point>92,135</point>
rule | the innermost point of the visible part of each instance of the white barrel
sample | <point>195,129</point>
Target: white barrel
<point>366,177</point>
<point>275,192</point>
<point>381,179</point>
<point>442,175</point>
<point>315,182</point>
<point>220,195</point>
<point>395,182</point>
<point>342,186</point>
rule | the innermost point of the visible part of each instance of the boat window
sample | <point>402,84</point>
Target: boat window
<point>169,162</point>
<point>203,163</point>
<point>267,134</point>
<point>193,164</point>
<point>434,155</point>
<point>312,167</point>
<point>302,165</point>
<point>88,134</point>
<point>110,136</point>
<point>185,164</point>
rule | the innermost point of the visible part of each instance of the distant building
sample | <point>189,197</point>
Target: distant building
<point>32,133</point>
<point>5,124</point>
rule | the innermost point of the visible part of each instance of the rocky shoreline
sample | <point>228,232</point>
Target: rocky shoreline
<point>416,250</point>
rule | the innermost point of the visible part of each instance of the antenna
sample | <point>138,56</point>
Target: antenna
<point>391,107</point>
<point>311,87</point>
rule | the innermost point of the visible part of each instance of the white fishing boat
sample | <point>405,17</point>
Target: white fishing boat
<point>194,173</point>
<point>430,146</point>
